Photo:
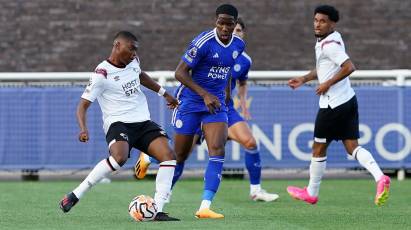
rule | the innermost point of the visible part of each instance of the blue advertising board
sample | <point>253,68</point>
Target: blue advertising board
<point>38,128</point>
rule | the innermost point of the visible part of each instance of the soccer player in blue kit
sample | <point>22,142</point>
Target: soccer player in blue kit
<point>238,129</point>
<point>204,73</point>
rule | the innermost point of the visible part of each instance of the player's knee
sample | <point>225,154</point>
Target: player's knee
<point>168,155</point>
<point>350,147</point>
<point>250,143</point>
<point>216,150</point>
<point>121,159</point>
<point>181,158</point>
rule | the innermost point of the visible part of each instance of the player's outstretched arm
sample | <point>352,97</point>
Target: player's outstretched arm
<point>82,107</point>
<point>299,81</point>
<point>183,75</point>
<point>149,83</point>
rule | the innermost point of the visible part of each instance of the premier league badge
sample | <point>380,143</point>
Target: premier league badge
<point>192,52</point>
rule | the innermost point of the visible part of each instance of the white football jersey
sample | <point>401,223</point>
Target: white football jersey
<point>118,93</point>
<point>330,55</point>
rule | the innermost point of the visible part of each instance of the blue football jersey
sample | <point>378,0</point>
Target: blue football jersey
<point>239,72</point>
<point>240,69</point>
<point>211,64</point>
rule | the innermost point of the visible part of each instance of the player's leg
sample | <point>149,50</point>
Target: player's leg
<point>365,158</point>
<point>119,150</point>
<point>215,136</point>
<point>349,133</point>
<point>318,164</point>
<point>322,138</point>
<point>184,152</point>
<point>241,133</point>
<point>182,147</point>
<point>160,149</point>
<point>142,164</point>
<point>144,161</point>
<point>185,125</point>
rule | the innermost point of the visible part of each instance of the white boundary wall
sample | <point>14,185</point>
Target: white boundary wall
<point>399,77</point>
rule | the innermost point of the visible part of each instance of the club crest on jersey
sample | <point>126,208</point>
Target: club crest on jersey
<point>237,67</point>
<point>123,135</point>
<point>192,52</point>
<point>235,54</point>
<point>179,123</point>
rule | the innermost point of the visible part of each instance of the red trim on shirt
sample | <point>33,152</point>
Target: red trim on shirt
<point>102,72</point>
<point>329,42</point>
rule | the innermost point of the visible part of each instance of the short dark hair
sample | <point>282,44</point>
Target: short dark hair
<point>127,35</point>
<point>241,22</point>
<point>328,10</point>
<point>227,9</point>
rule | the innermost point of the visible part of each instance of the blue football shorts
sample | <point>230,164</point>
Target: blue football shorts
<point>233,116</point>
<point>188,123</point>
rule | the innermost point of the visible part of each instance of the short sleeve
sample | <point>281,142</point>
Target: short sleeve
<point>244,74</point>
<point>194,54</point>
<point>335,52</point>
<point>95,86</point>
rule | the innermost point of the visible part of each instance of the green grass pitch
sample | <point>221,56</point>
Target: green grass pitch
<point>343,204</point>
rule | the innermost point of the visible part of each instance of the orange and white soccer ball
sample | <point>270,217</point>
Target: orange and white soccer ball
<point>142,208</point>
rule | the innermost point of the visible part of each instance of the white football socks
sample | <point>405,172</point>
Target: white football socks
<point>317,169</point>
<point>367,161</point>
<point>254,188</point>
<point>101,170</point>
<point>205,204</point>
<point>163,183</point>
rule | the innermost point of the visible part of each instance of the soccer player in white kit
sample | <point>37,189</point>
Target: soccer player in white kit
<point>116,85</point>
<point>337,118</point>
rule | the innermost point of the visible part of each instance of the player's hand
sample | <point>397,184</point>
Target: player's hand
<point>322,88</point>
<point>83,136</point>
<point>172,103</point>
<point>212,103</point>
<point>246,113</point>
<point>295,82</point>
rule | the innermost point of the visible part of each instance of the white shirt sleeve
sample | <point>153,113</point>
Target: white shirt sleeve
<point>335,52</point>
<point>94,88</point>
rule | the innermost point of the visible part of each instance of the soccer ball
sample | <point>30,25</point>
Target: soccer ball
<point>142,208</point>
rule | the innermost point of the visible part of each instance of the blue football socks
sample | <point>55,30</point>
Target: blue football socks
<point>253,165</point>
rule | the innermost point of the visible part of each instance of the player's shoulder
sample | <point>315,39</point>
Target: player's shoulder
<point>335,36</point>
<point>332,40</point>
<point>203,38</point>
<point>103,69</point>
<point>237,43</point>
<point>135,63</point>
<point>246,57</point>
<point>238,40</point>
